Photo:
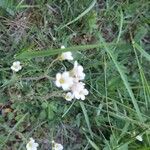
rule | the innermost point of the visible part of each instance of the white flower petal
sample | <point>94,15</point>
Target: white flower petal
<point>82,97</point>
<point>79,90</point>
<point>58,76</point>
<point>139,138</point>
<point>76,95</point>
<point>31,145</point>
<point>16,66</point>
<point>58,83</point>
<point>62,47</point>
<point>32,140</point>
<point>66,56</point>
<point>12,68</point>
<point>65,87</point>
<point>77,71</point>
<point>65,74</point>
<point>86,92</point>
<point>69,96</point>
<point>75,64</point>
<point>64,80</point>
<point>57,146</point>
<point>36,144</point>
<point>80,68</point>
<point>17,63</point>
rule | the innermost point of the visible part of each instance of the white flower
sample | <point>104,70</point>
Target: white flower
<point>139,138</point>
<point>54,39</point>
<point>69,96</point>
<point>66,55</point>
<point>31,145</point>
<point>16,66</point>
<point>57,146</point>
<point>77,71</point>
<point>79,90</point>
<point>64,80</point>
<point>62,47</point>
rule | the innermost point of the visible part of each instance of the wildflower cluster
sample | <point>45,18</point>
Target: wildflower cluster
<point>32,145</point>
<point>71,81</point>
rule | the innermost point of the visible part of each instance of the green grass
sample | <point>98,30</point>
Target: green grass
<point>110,39</point>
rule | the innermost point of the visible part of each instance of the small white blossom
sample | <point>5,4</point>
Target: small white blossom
<point>64,80</point>
<point>57,146</point>
<point>79,90</point>
<point>54,39</point>
<point>69,96</point>
<point>62,47</point>
<point>77,72</point>
<point>139,138</point>
<point>66,55</point>
<point>16,66</point>
<point>31,145</point>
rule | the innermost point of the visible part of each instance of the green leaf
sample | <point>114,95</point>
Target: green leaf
<point>42,115</point>
<point>32,54</point>
<point>44,105</point>
<point>50,112</point>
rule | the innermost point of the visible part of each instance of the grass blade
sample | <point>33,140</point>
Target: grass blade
<point>68,109</point>
<point>140,49</point>
<point>93,144</point>
<point>125,81</point>
<point>32,54</point>
<point>81,15</point>
<point>121,25</point>
<point>86,118</point>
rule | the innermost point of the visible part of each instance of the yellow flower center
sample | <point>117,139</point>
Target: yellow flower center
<point>30,144</point>
<point>61,57</point>
<point>62,81</point>
<point>67,97</point>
